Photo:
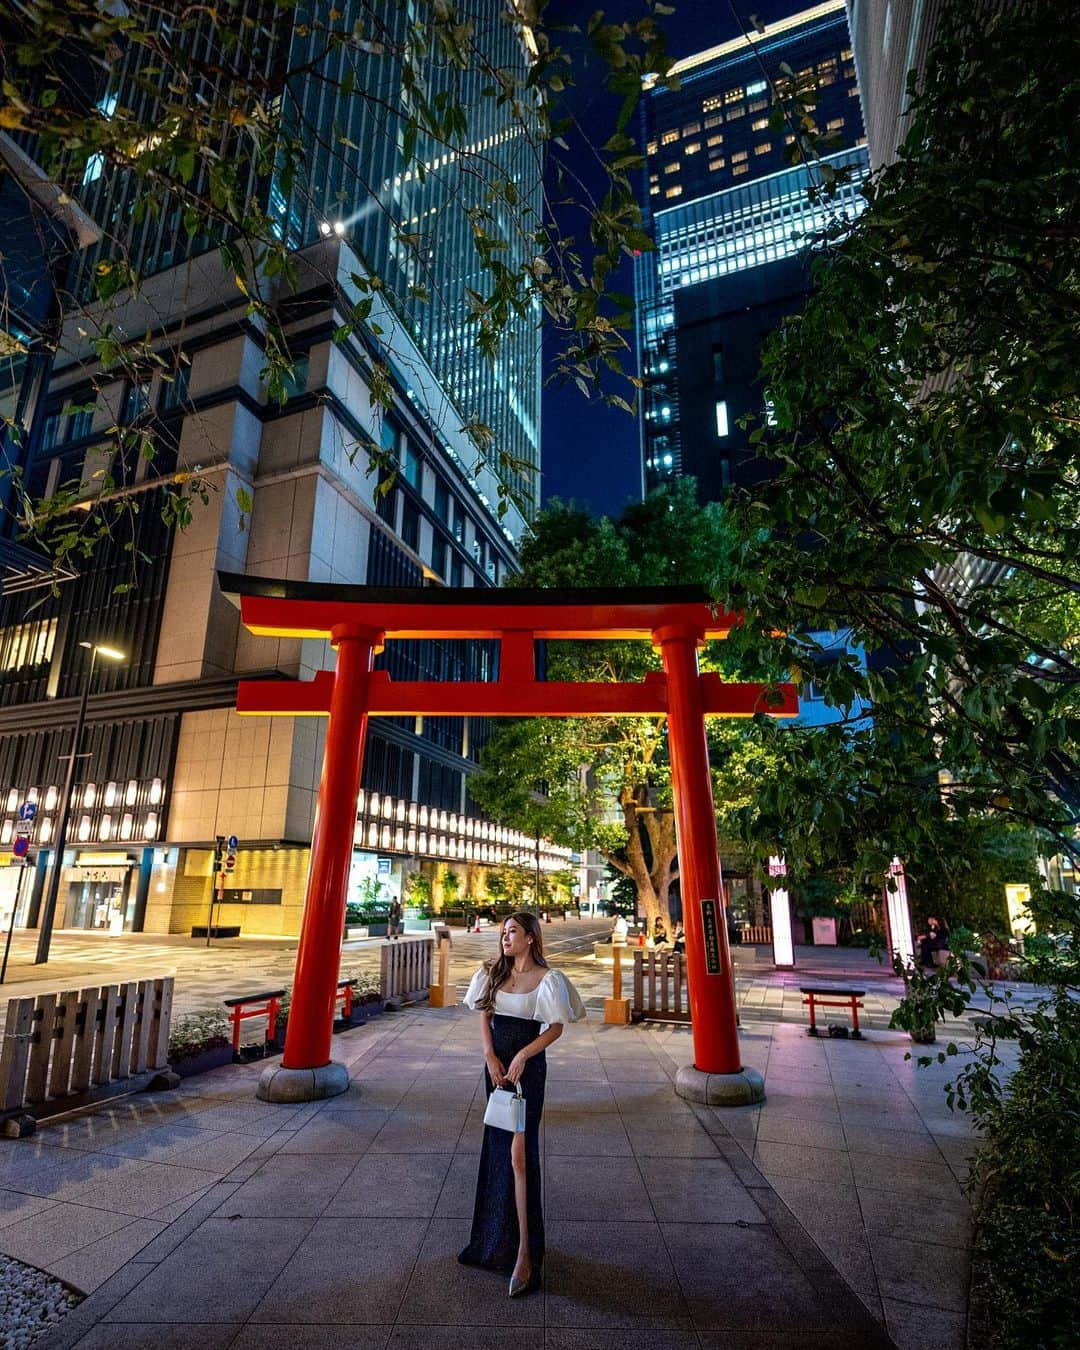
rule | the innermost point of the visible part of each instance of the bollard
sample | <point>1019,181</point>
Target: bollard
<point>440,995</point>
<point>617,1008</point>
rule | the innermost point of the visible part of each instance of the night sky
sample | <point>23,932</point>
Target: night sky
<point>590,452</point>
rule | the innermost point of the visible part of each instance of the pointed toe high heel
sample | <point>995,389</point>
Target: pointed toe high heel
<point>519,1286</point>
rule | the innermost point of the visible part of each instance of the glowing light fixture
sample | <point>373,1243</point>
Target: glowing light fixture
<point>780,914</point>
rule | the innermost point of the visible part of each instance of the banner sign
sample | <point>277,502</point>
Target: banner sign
<point>711,933</point>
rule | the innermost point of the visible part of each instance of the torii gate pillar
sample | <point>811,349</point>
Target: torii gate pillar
<point>307,1072</point>
<point>717,1075</point>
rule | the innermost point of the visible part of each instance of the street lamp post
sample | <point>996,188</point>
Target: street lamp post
<point>48,911</point>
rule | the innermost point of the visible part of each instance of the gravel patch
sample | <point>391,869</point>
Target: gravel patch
<point>30,1303</point>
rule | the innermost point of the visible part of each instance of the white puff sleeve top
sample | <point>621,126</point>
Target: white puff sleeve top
<point>553,1000</point>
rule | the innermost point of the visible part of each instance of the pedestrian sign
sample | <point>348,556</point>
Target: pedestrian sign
<point>28,811</point>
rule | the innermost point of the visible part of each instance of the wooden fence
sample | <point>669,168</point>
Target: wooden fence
<point>660,991</point>
<point>757,934</point>
<point>64,1050</point>
<point>405,969</point>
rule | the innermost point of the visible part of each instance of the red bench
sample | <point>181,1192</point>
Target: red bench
<point>819,996</point>
<point>242,1007</point>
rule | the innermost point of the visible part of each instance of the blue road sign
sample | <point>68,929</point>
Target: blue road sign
<point>21,846</point>
<point>233,841</point>
<point>28,811</point>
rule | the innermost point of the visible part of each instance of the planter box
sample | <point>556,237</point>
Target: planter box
<point>203,1062</point>
<point>363,1011</point>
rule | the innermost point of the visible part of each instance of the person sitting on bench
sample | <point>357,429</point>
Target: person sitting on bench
<point>935,939</point>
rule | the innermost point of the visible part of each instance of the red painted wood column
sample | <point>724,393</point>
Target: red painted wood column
<point>708,957</point>
<point>318,958</point>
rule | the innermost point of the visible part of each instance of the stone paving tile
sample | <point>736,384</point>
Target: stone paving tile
<point>458,1195</point>
<point>57,1232</point>
<point>799,1160</point>
<point>904,1271</point>
<point>602,1134</point>
<point>15,1207</point>
<point>345,1270</point>
<point>262,1337</point>
<point>288,1185</point>
<point>443,1292</point>
<point>93,1264</point>
<point>389,1185</point>
<point>914,1145</point>
<point>656,1338</point>
<point>830,1213</point>
<point>611,1276</point>
<point>136,1336</point>
<point>741,1278</point>
<point>338,1132</point>
<point>931,1181</point>
<point>778,1128</point>
<point>415,1131</point>
<point>888,1213</point>
<point>140,1193</point>
<point>219,1272</point>
<point>575,1188</point>
<point>670,1139</point>
<point>697,1190</point>
<point>916,1327</point>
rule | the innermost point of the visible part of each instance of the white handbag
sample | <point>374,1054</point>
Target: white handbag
<point>506,1110</point>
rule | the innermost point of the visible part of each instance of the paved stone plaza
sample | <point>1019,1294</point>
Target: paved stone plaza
<point>827,1217</point>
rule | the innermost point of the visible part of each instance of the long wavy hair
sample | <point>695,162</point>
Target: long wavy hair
<point>501,968</point>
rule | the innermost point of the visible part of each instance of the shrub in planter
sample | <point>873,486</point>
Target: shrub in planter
<point>1027,1186</point>
<point>927,996</point>
<point>199,1042</point>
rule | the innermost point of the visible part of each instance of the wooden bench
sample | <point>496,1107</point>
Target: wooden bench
<point>822,996</point>
<point>244,1006</point>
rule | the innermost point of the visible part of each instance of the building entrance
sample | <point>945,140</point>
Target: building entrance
<point>98,899</point>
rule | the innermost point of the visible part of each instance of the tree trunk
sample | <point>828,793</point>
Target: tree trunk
<point>653,883</point>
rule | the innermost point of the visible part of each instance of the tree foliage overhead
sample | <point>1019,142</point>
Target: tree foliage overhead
<point>606,782</point>
<point>927,406</point>
<point>214,116</point>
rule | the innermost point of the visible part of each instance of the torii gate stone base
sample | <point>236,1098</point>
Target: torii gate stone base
<point>358,620</point>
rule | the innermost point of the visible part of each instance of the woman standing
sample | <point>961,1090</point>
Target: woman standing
<point>524,1005</point>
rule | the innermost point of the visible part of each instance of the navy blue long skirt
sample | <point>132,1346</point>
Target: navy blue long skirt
<point>493,1243</point>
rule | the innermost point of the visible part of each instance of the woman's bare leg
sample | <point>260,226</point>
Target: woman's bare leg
<point>523,1266</point>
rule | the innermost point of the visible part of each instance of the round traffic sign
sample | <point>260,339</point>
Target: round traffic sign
<point>28,811</point>
<point>21,846</point>
<point>230,861</point>
<point>233,841</point>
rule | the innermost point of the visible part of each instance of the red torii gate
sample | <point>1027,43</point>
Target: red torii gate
<point>359,619</point>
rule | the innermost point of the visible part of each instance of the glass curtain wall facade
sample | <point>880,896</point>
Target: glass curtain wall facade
<point>415,234</point>
<point>167,764</point>
<point>721,198</point>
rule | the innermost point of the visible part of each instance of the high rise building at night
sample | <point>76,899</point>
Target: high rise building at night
<point>412,229</point>
<point>732,221</point>
<point>166,765</point>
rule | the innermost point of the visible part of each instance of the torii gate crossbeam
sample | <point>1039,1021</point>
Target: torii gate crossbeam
<point>358,620</point>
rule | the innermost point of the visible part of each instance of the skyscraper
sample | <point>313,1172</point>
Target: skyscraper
<point>166,765</point>
<point>346,112</point>
<point>732,220</point>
